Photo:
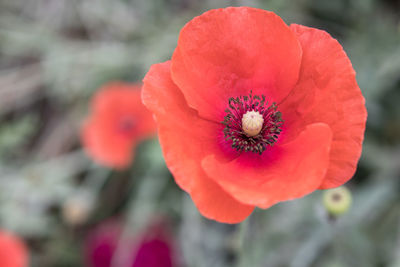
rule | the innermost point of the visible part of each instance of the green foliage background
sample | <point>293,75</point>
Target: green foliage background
<point>54,54</point>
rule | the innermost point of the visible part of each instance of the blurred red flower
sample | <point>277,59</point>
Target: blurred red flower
<point>252,112</point>
<point>13,252</point>
<point>152,249</point>
<point>117,123</point>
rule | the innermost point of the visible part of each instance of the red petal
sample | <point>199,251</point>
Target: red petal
<point>228,52</point>
<point>327,92</point>
<point>185,139</point>
<point>104,146</point>
<point>118,99</point>
<point>291,171</point>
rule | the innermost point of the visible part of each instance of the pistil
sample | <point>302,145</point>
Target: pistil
<point>252,123</point>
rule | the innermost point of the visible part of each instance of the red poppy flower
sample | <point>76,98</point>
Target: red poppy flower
<point>13,252</point>
<point>252,112</point>
<point>117,123</point>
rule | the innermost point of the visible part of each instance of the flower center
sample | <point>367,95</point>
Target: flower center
<point>126,126</point>
<point>251,123</point>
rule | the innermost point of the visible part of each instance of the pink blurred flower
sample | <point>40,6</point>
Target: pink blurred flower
<point>152,249</point>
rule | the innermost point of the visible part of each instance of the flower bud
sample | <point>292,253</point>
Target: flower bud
<point>337,201</point>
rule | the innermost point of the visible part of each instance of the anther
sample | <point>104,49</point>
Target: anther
<point>251,123</point>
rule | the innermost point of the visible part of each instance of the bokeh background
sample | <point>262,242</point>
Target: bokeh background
<point>55,54</point>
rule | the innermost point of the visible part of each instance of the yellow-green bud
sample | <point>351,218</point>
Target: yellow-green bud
<point>337,201</point>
